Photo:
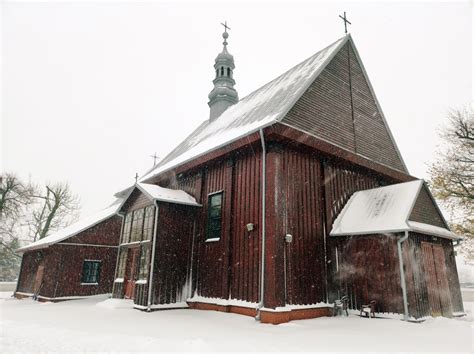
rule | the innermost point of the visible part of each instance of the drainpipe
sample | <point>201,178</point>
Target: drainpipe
<point>402,275</point>
<point>262,267</point>
<point>152,265</point>
<point>122,215</point>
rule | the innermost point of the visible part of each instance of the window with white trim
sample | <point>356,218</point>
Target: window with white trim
<point>214,216</point>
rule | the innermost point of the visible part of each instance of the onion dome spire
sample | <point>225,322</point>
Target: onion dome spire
<point>223,94</point>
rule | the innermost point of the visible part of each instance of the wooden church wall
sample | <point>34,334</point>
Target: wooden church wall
<point>29,266</point>
<point>431,276</point>
<point>367,269</point>
<point>424,210</point>
<point>172,278</point>
<point>342,110</point>
<point>246,245</point>
<point>304,256</point>
<point>229,267</point>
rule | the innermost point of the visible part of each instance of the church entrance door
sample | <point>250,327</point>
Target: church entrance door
<point>434,265</point>
<point>131,272</point>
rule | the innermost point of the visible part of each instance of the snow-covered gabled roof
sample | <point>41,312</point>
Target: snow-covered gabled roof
<point>74,228</point>
<point>265,106</point>
<point>384,210</point>
<point>161,194</point>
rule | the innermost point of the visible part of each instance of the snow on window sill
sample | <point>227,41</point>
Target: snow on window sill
<point>213,239</point>
<point>89,283</point>
<point>118,280</point>
<point>141,281</point>
<point>134,243</point>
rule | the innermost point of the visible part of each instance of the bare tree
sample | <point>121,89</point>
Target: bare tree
<point>452,174</point>
<point>58,207</point>
<point>14,195</point>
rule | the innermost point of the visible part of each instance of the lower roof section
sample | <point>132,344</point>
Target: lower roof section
<point>384,210</point>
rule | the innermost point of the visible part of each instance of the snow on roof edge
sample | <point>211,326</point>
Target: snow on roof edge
<point>169,165</point>
<point>73,229</point>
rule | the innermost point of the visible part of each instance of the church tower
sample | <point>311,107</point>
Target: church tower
<point>223,94</point>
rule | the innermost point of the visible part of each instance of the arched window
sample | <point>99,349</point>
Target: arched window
<point>217,72</point>
<point>222,71</point>
<point>228,72</point>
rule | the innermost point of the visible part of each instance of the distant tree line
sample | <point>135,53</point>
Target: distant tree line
<point>30,212</point>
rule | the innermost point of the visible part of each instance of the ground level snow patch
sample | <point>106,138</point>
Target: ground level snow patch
<point>102,324</point>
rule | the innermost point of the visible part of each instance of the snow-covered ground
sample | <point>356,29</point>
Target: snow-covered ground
<point>107,325</point>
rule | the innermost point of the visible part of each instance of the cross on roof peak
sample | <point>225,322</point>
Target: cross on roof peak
<point>346,21</point>
<point>225,26</point>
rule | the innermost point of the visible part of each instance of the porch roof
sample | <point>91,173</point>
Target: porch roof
<point>384,210</point>
<point>162,194</point>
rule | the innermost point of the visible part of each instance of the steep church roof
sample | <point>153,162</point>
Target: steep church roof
<point>264,107</point>
<point>390,209</point>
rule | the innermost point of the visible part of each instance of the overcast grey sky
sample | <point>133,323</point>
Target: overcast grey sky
<point>91,90</point>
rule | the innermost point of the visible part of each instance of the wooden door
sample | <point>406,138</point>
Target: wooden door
<point>38,279</point>
<point>131,272</point>
<point>434,265</point>
<point>442,279</point>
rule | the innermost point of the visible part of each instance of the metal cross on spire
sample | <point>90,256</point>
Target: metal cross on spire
<point>225,26</point>
<point>346,21</point>
<point>136,178</point>
<point>155,158</point>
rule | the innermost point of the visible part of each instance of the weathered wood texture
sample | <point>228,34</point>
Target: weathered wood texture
<point>63,264</point>
<point>367,269</point>
<point>338,107</point>
<point>431,275</point>
<point>425,211</point>
<point>171,278</point>
<point>245,246</point>
<point>304,211</point>
<point>212,272</point>
<point>137,200</point>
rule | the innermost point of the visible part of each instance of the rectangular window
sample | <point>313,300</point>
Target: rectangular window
<point>122,263</point>
<point>137,225</point>
<point>144,259</point>
<point>214,216</point>
<point>126,228</point>
<point>90,272</point>
<point>149,222</point>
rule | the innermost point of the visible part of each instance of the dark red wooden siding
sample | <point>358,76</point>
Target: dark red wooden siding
<point>339,108</point>
<point>368,269</point>
<point>305,256</point>
<point>136,200</point>
<point>63,263</point>
<point>432,279</point>
<point>174,242</point>
<point>425,211</point>
<point>246,245</point>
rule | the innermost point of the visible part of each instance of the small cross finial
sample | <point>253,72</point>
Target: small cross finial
<point>155,158</point>
<point>346,21</point>
<point>136,178</point>
<point>225,26</point>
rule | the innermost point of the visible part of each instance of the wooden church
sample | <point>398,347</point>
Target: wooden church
<point>283,202</point>
<point>254,213</point>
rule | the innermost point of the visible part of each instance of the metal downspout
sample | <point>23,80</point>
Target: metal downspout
<point>262,267</point>
<point>402,275</point>
<point>152,265</point>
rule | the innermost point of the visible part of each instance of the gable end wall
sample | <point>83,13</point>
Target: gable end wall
<point>425,211</point>
<point>325,111</point>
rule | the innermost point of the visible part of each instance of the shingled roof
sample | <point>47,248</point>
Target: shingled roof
<point>264,107</point>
